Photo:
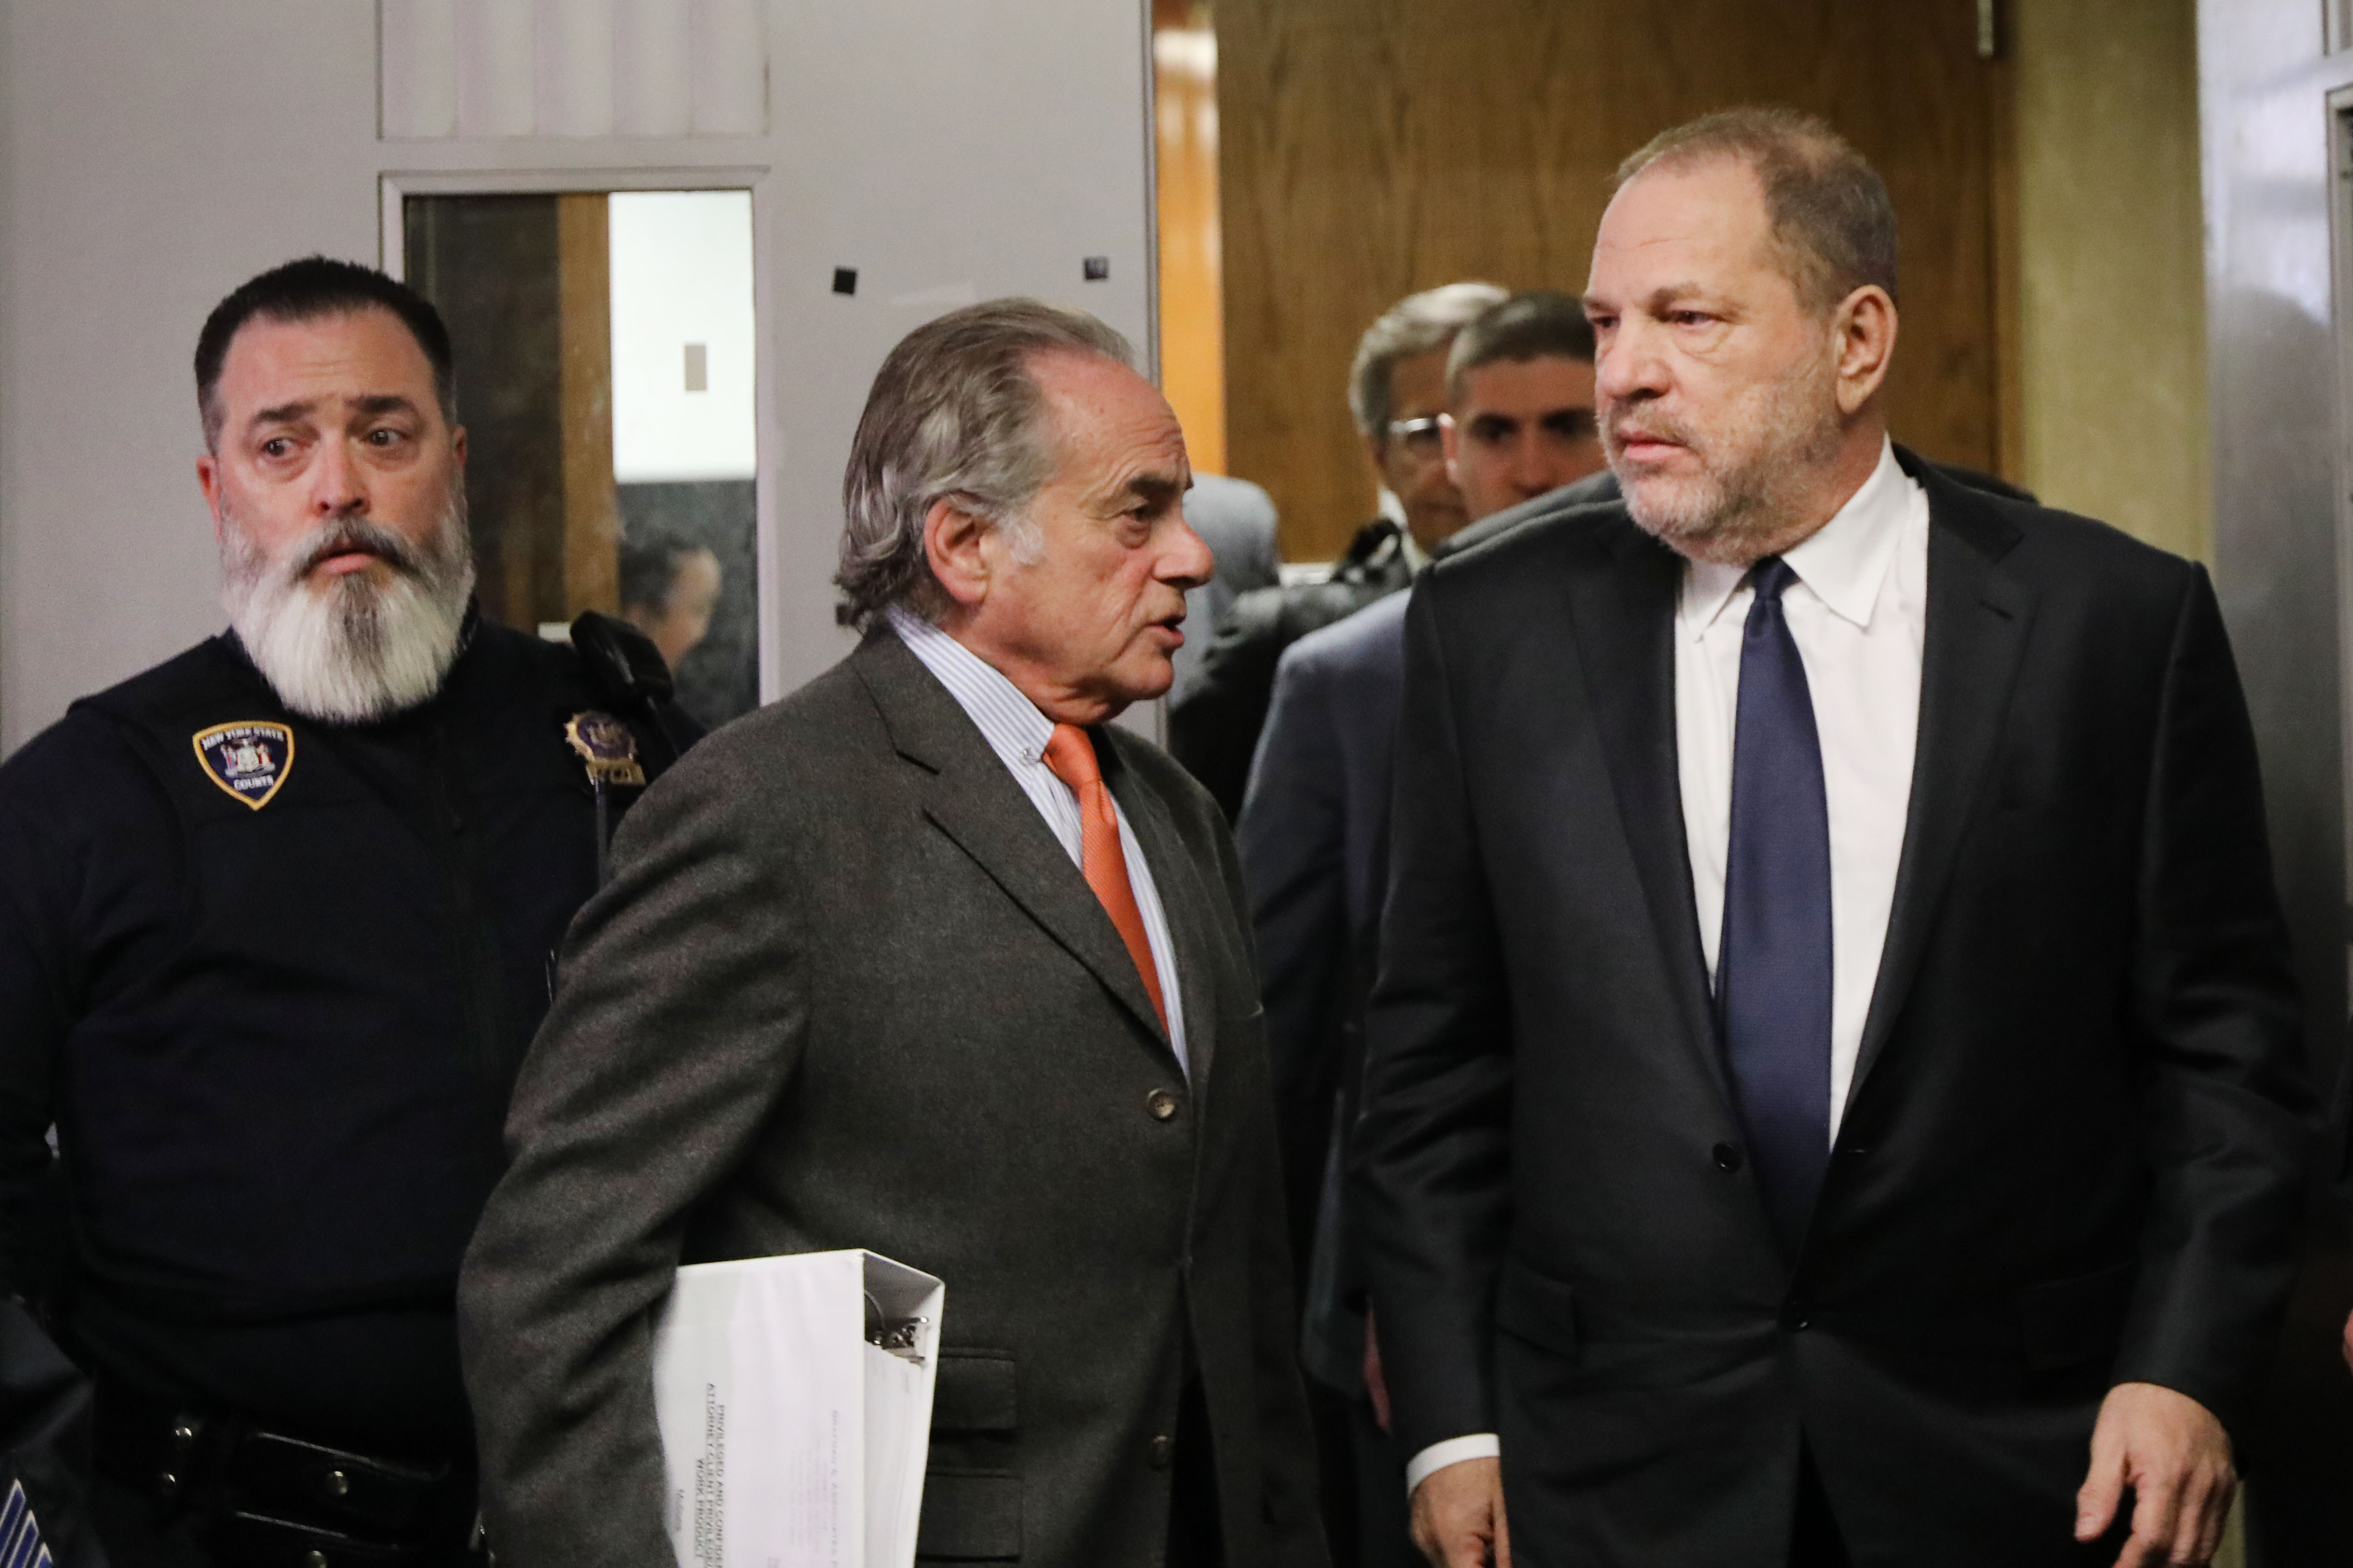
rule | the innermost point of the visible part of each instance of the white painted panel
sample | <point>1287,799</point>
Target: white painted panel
<point>572,83</point>
<point>653,75</point>
<point>420,68</point>
<point>494,67</point>
<point>681,281</point>
<point>730,44</point>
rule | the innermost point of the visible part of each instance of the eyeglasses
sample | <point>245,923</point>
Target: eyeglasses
<point>1421,436</point>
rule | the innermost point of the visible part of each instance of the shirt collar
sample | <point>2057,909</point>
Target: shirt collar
<point>1012,724</point>
<point>1844,562</point>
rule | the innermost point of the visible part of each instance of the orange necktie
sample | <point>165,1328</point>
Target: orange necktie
<point>1070,756</point>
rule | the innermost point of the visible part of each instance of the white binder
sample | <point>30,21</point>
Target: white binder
<point>791,1440</point>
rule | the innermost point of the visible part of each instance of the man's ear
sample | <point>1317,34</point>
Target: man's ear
<point>955,544</point>
<point>458,445</point>
<point>1866,326</point>
<point>208,480</point>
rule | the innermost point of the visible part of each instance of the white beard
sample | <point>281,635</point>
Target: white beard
<point>351,649</point>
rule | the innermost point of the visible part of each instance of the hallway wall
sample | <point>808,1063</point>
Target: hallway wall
<point>2111,329</point>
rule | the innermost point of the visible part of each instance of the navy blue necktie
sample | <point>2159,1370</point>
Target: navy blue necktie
<point>1773,967</point>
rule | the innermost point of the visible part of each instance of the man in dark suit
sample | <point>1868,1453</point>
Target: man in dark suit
<point>1517,422</point>
<point>1833,1070</point>
<point>929,959</point>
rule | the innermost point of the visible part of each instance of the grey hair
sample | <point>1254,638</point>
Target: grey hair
<point>1414,325</point>
<point>955,412</point>
<point>1832,221</point>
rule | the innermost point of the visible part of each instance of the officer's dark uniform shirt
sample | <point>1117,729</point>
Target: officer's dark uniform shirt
<point>277,1039</point>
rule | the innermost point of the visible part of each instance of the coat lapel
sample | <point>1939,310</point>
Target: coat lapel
<point>1622,607</point>
<point>973,799</point>
<point>1979,617</point>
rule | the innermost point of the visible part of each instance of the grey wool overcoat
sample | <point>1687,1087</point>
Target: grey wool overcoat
<point>845,989</point>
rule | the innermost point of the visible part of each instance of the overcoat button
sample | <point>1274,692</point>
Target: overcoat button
<point>1163,1452</point>
<point>338,1484</point>
<point>1728,1156</point>
<point>314,1559</point>
<point>1162,1104</point>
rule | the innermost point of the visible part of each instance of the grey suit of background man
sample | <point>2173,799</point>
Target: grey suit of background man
<point>2002,1235</point>
<point>1517,424</point>
<point>1237,520</point>
<point>858,982</point>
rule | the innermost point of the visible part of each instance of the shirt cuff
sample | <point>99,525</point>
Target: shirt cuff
<point>1453,1451</point>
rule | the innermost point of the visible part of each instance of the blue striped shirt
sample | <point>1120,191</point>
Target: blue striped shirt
<point>1018,733</point>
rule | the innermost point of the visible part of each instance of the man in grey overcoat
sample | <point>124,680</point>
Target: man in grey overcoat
<point>928,958</point>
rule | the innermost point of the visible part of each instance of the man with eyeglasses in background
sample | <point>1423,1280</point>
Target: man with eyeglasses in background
<point>1517,422</point>
<point>1397,391</point>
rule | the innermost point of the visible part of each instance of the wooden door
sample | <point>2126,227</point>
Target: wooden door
<point>1371,148</point>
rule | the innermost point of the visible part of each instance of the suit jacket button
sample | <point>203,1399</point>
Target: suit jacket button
<point>1163,1452</point>
<point>1728,1156</point>
<point>1162,1104</point>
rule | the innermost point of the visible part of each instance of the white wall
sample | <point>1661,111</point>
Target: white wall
<point>157,156</point>
<point>152,156</point>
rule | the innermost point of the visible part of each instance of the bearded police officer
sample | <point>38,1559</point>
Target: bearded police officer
<point>276,919</point>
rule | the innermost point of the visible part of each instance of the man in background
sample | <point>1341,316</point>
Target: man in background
<point>1397,390</point>
<point>668,589</point>
<point>1237,520</point>
<point>277,919</point>
<point>932,959</point>
<point>1518,423</point>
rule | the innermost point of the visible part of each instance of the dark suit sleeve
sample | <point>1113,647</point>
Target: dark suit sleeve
<point>2214,998</point>
<point>681,1016</point>
<point>1292,841</point>
<point>1432,1147</point>
<point>1293,1520</point>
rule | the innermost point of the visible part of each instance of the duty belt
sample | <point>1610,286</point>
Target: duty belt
<point>277,1501</point>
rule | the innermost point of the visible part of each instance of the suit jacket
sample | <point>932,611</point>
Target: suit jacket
<point>2072,1151</point>
<point>845,989</point>
<point>1237,520</point>
<point>1314,840</point>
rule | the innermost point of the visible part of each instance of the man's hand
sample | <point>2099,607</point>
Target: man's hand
<point>2176,1458</point>
<point>1458,1514</point>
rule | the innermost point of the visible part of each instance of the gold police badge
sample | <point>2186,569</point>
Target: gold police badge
<point>607,746</point>
<point>248,760</point>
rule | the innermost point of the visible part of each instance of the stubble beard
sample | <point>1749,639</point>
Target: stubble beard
<point>1755,468</point>
<point>361,645</point>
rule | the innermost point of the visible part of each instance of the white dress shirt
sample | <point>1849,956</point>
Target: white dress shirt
<point>1018,733</point>
<point>1859,615</point>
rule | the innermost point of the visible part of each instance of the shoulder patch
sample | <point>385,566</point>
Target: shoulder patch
<point>248,760</point>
